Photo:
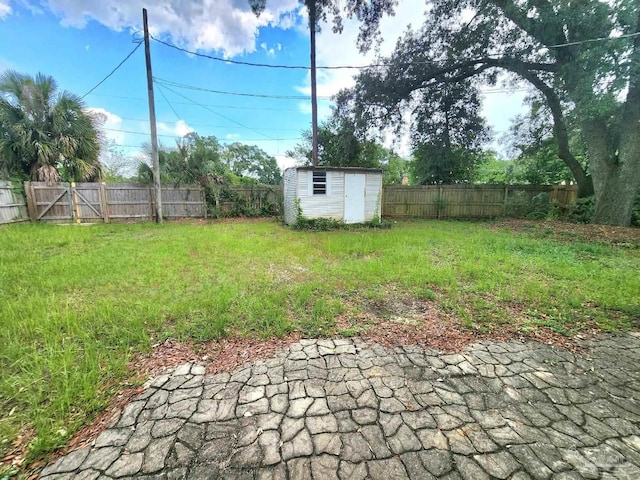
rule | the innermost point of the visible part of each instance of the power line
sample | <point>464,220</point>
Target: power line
<point>593,40</point>
<point>167,83</point>
<point>361,67</point>
<point>113,71</point>
<point>210,125</point>
<point>136,133</point>
<point>219,114</point>
<point>234,107</point>
<point>160,89</point>
<point>133,132</point>
<point>265,65</point>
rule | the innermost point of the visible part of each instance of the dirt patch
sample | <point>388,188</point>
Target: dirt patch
<point>15,456</point>
<point>573,232</point>
<point>402,310</point>
<point>405,320</point>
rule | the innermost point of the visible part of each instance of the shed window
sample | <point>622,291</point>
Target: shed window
<point>319,183</point>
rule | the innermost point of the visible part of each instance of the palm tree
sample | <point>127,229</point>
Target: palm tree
<point>45,134</point>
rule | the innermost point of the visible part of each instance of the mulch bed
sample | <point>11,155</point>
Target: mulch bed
<point>574,232</point>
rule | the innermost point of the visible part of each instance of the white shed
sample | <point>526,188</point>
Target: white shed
<point>350,194</point>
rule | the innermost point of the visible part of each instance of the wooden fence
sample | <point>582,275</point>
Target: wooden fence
<point>13,207</point>
<point>107,202</point>
<point>112,202</point>
<point>472,201</point>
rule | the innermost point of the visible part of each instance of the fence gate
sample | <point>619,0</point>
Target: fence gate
<point>87,199</point>
<point>82,202</point>
<point>49,202</point>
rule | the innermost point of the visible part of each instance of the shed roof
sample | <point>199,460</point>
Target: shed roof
<point>340,169</point>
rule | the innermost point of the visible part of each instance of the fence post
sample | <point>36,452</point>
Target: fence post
<point>31,203</point>
<point>73,198</point>
<point>150,204</point>
<point>102,190</point>
<point>506,198</point>
<point>204,201</point>
<point>439,205</point>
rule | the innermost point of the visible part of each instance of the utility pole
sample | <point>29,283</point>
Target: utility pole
<point>152,121</point>
<point>314,93</point>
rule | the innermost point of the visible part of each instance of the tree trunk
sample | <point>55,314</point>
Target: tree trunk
<point>584,181</point>
<point>619,171</point>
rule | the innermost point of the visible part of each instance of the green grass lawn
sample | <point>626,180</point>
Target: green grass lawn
<point>77,301</point>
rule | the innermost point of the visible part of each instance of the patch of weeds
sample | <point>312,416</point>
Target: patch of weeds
<point>317,224</point>
<point>327,224</point>
<point>351,331</point>
<point>425,293</point>
<point>374,294</point>
<point>319,319</point>
<point>555,321</point>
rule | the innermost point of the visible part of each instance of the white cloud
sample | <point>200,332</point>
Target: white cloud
<point>111,121</point>
<point>232,136</point>
<point>179,129</point>
<point>87,47</point>
<point>5,9</point>
<point>182,128</point>
<point>269,51</point>
<point>228,26</point>
<point>285,162</point>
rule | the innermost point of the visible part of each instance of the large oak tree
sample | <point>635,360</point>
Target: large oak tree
<point>564,49</point>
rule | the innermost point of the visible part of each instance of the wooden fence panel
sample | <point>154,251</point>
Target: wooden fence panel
<point>13,206</point>
<point>97,202</point>
<point>469,201</point>
<point>126,201</point>
<point>180,202</point>
<point>87,201</point>
<point>50,202</point>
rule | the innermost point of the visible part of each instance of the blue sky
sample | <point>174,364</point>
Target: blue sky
<point>78,43</point>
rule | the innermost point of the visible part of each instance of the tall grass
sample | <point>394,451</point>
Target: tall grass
<point>76,302</point>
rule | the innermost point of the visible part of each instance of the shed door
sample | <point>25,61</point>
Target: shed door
<point>354,184</point>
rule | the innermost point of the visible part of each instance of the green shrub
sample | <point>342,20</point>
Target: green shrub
<point>585,207</point>
<point>537,208</point>
<point>583,210</point>
<point>259,203</point>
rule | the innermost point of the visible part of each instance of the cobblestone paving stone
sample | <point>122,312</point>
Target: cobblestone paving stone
<point>341,409</point>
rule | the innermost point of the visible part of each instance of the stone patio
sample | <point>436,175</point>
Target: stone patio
<point>327,409</point>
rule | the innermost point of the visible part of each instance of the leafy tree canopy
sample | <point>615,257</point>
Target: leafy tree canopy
<point>45,134</point>
<point>556,48</point>
<point>368,12</point>
<point>249,161</point>
<point>338,146</point>
<point>198,159</point>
